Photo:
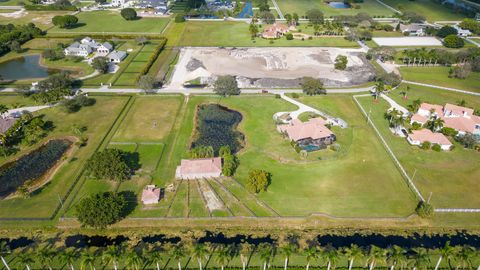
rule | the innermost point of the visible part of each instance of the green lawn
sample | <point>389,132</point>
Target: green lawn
<point>149,119</point>
<point>232,34</point>
<point>450,176</point>
<point>439,76</point>
<point>109,21</point>
<point>359,181</point>
<point>43,203</point>
<point>300,7</point>
<point>431,10</point>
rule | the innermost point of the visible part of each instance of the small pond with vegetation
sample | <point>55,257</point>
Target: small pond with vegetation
<point>31,166</point>
<point>340,5</point>
<point>24,68</point>
<point>217,127</point>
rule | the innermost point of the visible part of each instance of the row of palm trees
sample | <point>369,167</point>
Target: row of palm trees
<point>147,256</point>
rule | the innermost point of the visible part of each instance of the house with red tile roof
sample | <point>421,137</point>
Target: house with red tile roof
<point>150,194</point>
<point>199,168</point>
<point>275,30</point>
<point>457,117</point>
<point>418,137</point>
<point>310,135</point>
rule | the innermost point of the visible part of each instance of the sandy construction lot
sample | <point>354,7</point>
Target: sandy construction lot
<point>271,67</point>
<point>408,41</point>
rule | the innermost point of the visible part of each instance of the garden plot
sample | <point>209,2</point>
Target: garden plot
<point>211,199</point>
<point>272,67</point>
<point>407,41</point>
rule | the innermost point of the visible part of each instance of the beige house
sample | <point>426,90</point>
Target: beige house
<point>199,168</point>
<point>150,194</point>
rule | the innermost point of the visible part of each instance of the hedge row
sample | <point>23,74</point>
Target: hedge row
<point>49,7</point>
<point>152,58</point>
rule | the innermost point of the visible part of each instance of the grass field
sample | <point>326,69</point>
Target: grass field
<point>109,21</point>
<point>445,174</point>
<point>231,34</point>
<point>150,119</point>
<point>300,7</point>
<point>431,10</point>
<point>439,76</point>
<point>43,203</point>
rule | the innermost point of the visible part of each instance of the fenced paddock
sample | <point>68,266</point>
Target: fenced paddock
<point>407,41</point>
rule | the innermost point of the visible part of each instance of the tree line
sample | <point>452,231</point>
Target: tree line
<point>273,254</point>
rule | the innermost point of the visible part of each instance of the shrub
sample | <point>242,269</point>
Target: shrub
<point>425,145</point>
<point>76,103</point>
<point>179,18</point>
<point>289,36</point>
<point>436,147</point>
<point>100,64</point>
<point>453,41</point>
<point>258,180</point>
<point>226,86</point>
<point>110,164</point>
<point>341,62</point>
<point>446,31</point>
<point>277,96</point>
<point>67,21</point>
<point>312,86</point>
<point>129,14</point>
<point>449,132</point>
<point>295,95</point>
<point>424,210</point>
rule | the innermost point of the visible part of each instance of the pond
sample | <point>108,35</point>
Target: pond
<point>31,166</point>
<point>247,11</point>
<point>216,127</point>
<point>25,67</point>
<point>341,5</point>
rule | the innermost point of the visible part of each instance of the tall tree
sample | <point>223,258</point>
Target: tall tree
<point>199,251</point>
<point>312,86</point>
<point>87,259</point>
<point>68,257</point>
<point>177,254</point>
<point>4,249</point>
<point>311,253</point>
<point>24,259</point>
<point>287,251</point>
<point>396,256</point>
<point>352,253</point>
<point>446,252</point>
<point>245,251</point>
<point>421,259</point>
<point>134,260</point>
<point>45,256</point>
<point>155,256</point>
<point>226,86</point>
<point>223,256</point>
<point>266,252</point>
<point>375,255</point>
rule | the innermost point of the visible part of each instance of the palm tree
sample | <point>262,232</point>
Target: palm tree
<point>25,259</point>
<point>287,250</point>
<point>311,253</point>
<point>379,88</point>
<point>446,252</point>
<point>45,256</point>
<point>352,253</point>
<point>178,252</point>
<point>396,256</point>
<point>464,258</point>
<point>266,252</point>
<point>435,124</point>
<point>3,109</point>
<point>198,251</point>
<point>87,259</point>
<point>415,105</point>
<point>223,256</point>
<point>155,256</point>
<point>4,249</point>
<point>111,255</point>
<point>69,256</point>
<point>375,254</point>
<point>330,254</point>
<point>245,251</point>
<point>134,260</point>
<point>421,258</point>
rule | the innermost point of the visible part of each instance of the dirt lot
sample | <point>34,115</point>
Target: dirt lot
<point>271,67</point>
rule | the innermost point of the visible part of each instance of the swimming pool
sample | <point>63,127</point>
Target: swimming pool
<point>339,5</point>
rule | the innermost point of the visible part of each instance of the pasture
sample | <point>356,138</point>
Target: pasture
<point>431,10</point>
<point>110,21</point>
<point>372,7</point>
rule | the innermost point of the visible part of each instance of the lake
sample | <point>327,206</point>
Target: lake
<point>25,67</point>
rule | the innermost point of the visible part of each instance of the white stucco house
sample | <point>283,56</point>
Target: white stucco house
<point>86,46</point>
<point>418,137</point>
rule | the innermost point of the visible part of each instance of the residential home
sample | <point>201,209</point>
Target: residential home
<point>462,32</point>
<point>78,49</point>
<point>120,3</point>
<point>150,194</point>
<point>311,135</point>
<point>105,48</point>
<point>199,168</point>
<point>160,6</point>
<point>275,30</point>
<point>6,123</point>
<point>459,118</point>
<point>418,137</point>
<point>117,56</point>
<point>414,29</point>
